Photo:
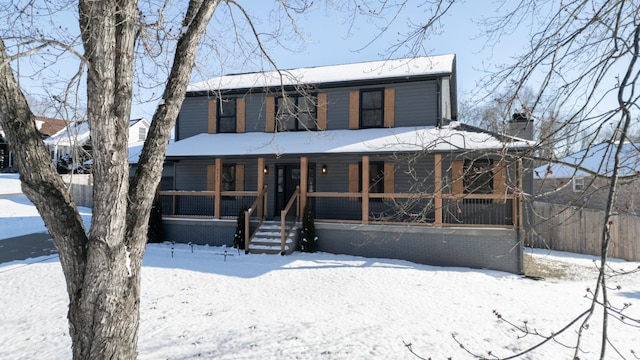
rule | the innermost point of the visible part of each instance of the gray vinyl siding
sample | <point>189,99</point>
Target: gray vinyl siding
<point>338,108</point>
<point>193,117</point>
<point>413,176</point>
<point>250,174</point>
<point>192,175</point>
<point>416,104</point>
<point>255,120</point>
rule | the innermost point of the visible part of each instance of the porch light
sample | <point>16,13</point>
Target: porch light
<point>324,169</point>
<point>266,169</point>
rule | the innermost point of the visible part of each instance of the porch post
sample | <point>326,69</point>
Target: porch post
<point>437,174</point>
<point>365,189</point>
<point>217,207</point>
<point>261,185</point>
<point>304,172</point>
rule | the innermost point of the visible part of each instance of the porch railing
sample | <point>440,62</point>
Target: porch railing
<point>389,208</point>
<point>259,209</point>
<point>288,219</point>
<point>202,204</point>
<point>416,209</point>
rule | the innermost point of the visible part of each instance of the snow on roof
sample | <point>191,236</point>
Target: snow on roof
<point>384,140</point>
<point>597,159</point>
<point>426,65</point>
<point>49,126</point>
<point>72,134</point>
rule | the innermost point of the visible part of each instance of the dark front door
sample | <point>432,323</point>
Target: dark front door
<point>288,178</point>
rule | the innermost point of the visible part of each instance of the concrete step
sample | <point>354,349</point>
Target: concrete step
<point>267,239</point>
<point>262,249</point>
<point>270,241</point>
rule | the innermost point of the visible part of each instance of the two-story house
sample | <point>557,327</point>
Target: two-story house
<point>373,149</point>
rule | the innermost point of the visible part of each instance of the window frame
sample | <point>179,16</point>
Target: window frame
<point>578,184</point>
<point>486,176</point>
<point>228,177</point>
<point>310,99</point>
<point>364,110</point>
<point>376,184</point>
<point>227,119</point>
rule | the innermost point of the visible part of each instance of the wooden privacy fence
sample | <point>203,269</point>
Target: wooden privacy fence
<point>573,229</point>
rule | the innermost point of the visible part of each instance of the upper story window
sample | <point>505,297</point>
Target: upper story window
<point>227,116</point>
<point>372,108</point>
<point>296,113</point>
<point>578,184</point>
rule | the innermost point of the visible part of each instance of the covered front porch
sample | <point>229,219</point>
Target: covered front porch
<point>450,196</point>
<point>280,188</point>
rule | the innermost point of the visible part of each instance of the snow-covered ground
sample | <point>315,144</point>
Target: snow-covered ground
<point>315,306</point>
<point>18,216</point>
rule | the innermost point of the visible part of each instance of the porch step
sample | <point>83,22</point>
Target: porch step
<point>267,240</point>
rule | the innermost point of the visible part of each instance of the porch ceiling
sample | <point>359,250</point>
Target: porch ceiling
<point>453,137</point>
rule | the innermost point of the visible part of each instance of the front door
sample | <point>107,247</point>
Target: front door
<point>288,178</point>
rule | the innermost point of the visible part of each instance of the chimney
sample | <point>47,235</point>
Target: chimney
<point>520,126</point>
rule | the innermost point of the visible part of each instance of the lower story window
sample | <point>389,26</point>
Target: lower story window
<point>376,177</point>
<point>478,176</point>
<point>228,177</point>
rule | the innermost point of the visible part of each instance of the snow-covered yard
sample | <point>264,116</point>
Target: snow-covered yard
<point>314,306</point>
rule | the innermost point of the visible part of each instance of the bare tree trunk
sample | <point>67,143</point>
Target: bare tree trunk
<point>102,270</point>
<point>104,320</point>
<point>40,181</point>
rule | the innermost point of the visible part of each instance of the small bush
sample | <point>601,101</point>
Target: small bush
<point>154,232</point>
<point>238,238</point>
<point>309,240</point>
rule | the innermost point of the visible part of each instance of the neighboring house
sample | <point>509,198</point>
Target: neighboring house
<point>582,179</point>
<point>373,149</point>
<point>45,126</point>
<point>70,148</point>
